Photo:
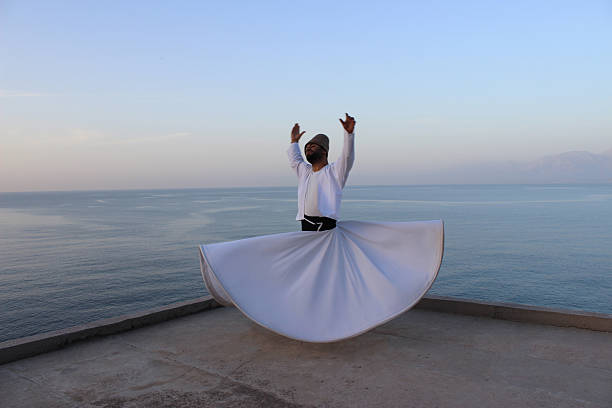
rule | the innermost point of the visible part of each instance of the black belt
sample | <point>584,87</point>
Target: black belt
<point>310,223</point>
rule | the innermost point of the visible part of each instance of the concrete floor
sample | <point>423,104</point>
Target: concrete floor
<point>218,358</point>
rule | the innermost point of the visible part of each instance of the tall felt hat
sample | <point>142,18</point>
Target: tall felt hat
<point>321,140</point>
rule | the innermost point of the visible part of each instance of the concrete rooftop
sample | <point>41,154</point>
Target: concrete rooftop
<point>424,358</point>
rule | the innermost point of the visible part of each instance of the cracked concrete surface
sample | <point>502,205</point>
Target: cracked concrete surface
<point>218,358</point>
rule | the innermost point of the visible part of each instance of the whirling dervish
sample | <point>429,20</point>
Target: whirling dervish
<point>334,279</point>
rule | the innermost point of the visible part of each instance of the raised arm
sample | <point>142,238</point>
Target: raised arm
<point>344,163</point>
<point>296,161</point>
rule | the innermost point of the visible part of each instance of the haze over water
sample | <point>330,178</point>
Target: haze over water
<point>72,257</point>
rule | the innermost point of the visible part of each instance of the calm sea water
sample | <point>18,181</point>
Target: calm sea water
<point>71,257</point>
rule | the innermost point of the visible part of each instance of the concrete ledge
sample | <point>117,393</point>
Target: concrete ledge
<point>12,350</point>
<point>518,313</point>
<point>16,349</point>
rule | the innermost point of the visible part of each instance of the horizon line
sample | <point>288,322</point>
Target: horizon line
<point>292,186</point>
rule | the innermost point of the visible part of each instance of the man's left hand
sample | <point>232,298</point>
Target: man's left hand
<point>348,123</point>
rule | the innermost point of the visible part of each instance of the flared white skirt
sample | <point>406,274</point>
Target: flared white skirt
<point>326,286</point>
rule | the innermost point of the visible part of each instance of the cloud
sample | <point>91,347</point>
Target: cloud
<point>28,135</point>
<point>79,135</point>
<point>178,134</point>
<point>4,93</point>
<point>151,138</point>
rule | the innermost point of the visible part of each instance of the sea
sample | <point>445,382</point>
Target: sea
<point>68,258</point>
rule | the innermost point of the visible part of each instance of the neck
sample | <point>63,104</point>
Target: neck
<point>319,165</point>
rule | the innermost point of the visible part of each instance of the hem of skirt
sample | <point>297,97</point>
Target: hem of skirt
<point>204,263</point>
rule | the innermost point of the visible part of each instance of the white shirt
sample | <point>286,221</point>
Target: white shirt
<point>330,179</point>
<point>311,204</point>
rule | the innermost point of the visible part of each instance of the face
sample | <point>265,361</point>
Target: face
<point>314,152</point>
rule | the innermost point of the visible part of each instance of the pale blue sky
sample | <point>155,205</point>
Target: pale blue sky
<point>145,94</point>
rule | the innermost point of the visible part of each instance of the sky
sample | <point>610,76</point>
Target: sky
<point>158,94</point>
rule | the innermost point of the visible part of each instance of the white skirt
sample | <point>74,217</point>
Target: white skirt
<point>326,286</point>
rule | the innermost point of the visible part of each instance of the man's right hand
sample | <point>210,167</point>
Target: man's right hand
<point>295,133</point>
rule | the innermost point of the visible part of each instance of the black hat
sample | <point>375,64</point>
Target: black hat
<point>321,140</point>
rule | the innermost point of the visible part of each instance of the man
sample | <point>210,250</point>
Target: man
<point>320,184</point>
<point>324,287</point>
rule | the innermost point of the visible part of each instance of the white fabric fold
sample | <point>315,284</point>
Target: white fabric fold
<point>326,286</point>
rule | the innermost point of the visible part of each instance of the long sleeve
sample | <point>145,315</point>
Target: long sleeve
<point>344,163</point>
<point>296,161</point>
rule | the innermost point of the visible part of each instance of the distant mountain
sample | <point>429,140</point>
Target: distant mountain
<point>568,167</point>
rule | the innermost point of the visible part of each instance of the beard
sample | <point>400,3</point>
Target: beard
<point>314,157</point>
